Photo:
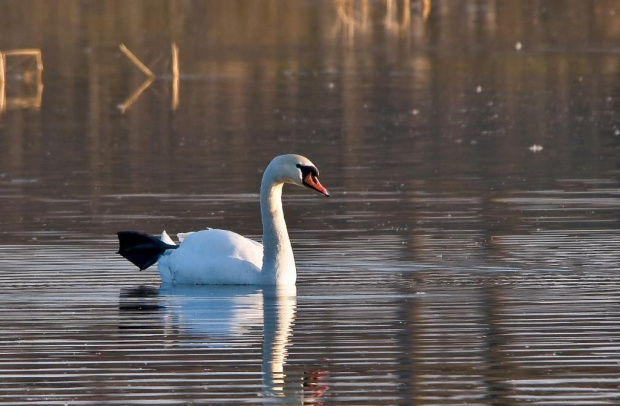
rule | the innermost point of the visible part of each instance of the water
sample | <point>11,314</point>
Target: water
<point>469,252</point>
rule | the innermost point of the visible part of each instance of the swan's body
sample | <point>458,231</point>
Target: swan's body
<point>213,257</point>
<point>224,257</point>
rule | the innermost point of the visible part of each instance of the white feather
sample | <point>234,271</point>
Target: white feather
<point>166,238</point>
<point>183,236</point>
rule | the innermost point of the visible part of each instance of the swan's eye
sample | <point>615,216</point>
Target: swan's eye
<point>308,171</point>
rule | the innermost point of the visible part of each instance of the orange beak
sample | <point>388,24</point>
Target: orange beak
<point>313,183</point>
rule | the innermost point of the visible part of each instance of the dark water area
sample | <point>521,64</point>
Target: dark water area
<point>469,251</point>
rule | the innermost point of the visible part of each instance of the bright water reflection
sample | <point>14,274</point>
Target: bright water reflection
<point>223,318</point>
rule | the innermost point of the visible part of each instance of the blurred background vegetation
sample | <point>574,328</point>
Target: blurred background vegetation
<point>439,96</point>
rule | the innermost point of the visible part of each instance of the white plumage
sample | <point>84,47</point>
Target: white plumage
<point>213,257</point>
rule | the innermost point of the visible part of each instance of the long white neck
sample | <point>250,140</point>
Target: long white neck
<point>278,260</point>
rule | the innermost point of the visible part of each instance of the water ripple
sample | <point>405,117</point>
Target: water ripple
<point>80,325</point>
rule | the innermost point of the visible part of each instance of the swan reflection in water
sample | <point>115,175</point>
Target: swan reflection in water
<point>227,316</point>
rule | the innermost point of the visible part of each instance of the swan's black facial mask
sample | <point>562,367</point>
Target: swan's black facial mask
<point>310,178</point>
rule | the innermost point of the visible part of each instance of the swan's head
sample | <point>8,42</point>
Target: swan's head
<point>296,170</point>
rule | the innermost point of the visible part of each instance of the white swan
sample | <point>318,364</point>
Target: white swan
<point>210,257</point>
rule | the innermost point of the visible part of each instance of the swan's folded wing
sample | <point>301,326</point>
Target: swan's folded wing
<point>182,236</point>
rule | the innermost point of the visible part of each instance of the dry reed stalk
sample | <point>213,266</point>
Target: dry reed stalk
<point>175,61</point>
<point>39,58</point>
<point>39,96</point>
<point>2,69</point>
<point>175,77</point>
<point>2,98</point>
<point>22,102</point>
<point>26,52</point>
<point>136,61</point>
<point>2,91</point>
<point>175,94</point>
<point>134,96</point>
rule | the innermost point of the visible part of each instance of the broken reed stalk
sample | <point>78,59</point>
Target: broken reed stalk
<point>134,96</point>
<point>136,61</point>
<point>36,53</point>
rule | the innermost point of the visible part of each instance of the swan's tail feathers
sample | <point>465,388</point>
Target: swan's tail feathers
<point>166,238</point>
<point>141,249</point>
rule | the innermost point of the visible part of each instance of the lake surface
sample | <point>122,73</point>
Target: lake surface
<point>469,253</point>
